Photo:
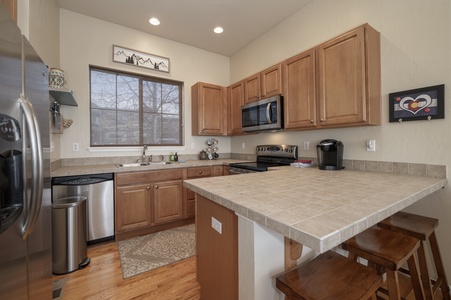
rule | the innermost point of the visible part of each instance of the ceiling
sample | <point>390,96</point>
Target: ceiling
<point>192,22</point>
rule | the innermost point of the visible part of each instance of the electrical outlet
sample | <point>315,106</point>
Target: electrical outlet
<point>216,225</point>
<point>193,146</point>
<point>371,145</point>
<point>75,147</point>
<point>243,145</point>
<point>306,145</point>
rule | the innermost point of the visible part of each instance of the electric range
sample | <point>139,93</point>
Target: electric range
<point>267,156</point>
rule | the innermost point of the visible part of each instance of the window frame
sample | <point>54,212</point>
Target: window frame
<point>141,78</point>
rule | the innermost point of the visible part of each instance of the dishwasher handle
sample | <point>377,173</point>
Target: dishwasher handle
<point>82,179</point>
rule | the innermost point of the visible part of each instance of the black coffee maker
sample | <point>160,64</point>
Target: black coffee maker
<point>330,154</point>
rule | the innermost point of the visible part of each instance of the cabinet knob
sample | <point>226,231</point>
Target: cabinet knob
<point>311,121</point>
<point>200,172</point>
<point>322,120</point>
<point>148,187</point>
<point>156,186</point>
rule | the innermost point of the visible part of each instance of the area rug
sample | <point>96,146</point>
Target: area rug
<point>148,252</point>
<point>58,288</point>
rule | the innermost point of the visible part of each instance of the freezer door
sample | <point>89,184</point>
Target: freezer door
<point>13,249</point>
<point>40,239</point>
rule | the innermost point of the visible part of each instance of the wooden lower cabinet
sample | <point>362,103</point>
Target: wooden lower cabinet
<point>217,253</point>
<point>133,209</point>
<point>148,201</point>
<point>167,201</point>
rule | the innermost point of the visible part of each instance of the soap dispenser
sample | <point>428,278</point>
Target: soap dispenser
<point>176,157</point>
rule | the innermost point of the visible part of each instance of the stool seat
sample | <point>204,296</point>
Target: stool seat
<point>422,228</point>
<point>388,251</point>
<point>329,276</point>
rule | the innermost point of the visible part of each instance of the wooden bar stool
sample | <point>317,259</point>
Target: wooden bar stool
<point>422,228</point>
<point>330,276</point>
<point>387,251</point>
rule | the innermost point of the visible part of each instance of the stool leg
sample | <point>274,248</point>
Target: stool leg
<point>439,266</point>
<point>393,285</point>
<point>415,277</point>
<point>425,278</point>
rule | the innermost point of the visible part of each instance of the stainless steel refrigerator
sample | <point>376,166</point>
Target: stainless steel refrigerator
<point>25,224</point>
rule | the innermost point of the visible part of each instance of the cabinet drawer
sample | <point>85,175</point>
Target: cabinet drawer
<point>131,178</point>
<point>196,172</point>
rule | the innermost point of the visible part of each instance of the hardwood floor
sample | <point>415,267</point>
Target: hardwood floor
<point>102,279</point>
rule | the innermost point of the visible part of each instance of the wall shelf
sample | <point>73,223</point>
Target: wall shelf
<point>63,97</point>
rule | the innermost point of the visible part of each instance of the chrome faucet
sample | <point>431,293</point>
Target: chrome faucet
<point>143,157</point>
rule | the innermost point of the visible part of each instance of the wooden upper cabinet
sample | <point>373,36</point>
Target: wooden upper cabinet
<point>350,79</point>
<point>235,94</point>
<point>299,89</point>
<point>264,84</point>
<point>271,81</point>
<point>252,88</point>
<point>209,109</point>
<point>335,84</point>
<point>11,8</point>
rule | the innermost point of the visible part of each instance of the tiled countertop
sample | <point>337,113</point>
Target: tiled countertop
<point>112,168</point>
<point>317,208</point>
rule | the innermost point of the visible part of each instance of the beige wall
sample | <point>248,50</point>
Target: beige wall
<point>87,41</point>
<point>416,52</point>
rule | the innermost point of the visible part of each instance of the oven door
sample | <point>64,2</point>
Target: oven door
<point>262,115</point>
<point>240,171</point>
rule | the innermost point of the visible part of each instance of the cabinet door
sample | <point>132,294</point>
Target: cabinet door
<point>168,201</point>
<point>133,207</point>
<point>271,81</point>
<point>299,91</point>
<point>11,8</point>
<point>342,79</point>
<point>217,171</point>
<point>252,88</point>
<point>236,99</point>
<point>209,109</point>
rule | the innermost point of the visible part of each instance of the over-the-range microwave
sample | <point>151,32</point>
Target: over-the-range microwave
<point>261,115</point>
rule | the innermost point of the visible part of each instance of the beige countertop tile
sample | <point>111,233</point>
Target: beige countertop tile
<point>112,168</point>
<point>317,208</point>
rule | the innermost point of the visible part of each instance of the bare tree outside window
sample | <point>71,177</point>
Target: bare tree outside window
<point>130,109</point>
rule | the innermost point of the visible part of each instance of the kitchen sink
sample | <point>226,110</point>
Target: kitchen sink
<point>131,165</point>
<point>138,164</point>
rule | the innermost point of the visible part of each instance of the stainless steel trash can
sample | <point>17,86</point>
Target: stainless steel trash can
<point>69,243</point>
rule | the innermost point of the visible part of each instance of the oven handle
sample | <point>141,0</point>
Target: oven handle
<point>268,111</point>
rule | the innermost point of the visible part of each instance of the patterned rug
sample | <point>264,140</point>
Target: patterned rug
<point>148,252</point>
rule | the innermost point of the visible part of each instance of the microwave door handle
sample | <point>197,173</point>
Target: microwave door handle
<point>36,166</point>
<point>268,113</point>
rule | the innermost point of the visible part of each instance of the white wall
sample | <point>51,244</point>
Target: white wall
<point>87,41</point>
<point>416,52</point>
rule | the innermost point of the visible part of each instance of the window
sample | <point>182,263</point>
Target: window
<point>130,109</point>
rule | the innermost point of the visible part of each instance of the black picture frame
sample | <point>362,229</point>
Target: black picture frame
<point>418,104</point>
<point>140,59</point>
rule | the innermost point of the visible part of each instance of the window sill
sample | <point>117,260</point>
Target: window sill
<point>136,148</point>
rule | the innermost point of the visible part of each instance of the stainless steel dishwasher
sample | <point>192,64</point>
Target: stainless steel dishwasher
<point>99,190</point>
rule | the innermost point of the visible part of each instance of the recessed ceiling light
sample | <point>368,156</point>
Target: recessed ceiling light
<point>154,21</point>
<point>218,29</point>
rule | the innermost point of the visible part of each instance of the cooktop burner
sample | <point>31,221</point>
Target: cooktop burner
<point>270,156</point>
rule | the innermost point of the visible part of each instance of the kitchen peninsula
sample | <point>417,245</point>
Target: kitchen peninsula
<point>319,209</point>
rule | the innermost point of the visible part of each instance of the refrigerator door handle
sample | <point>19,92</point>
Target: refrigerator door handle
<point>37,182</point>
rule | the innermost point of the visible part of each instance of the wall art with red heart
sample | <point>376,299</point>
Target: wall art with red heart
<point>419,104</point>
